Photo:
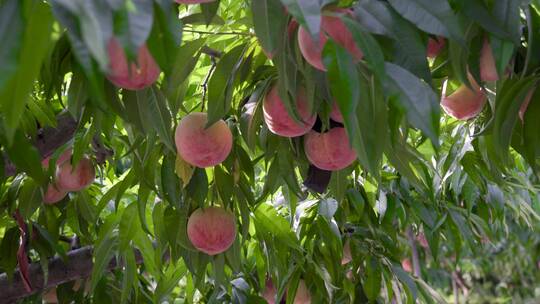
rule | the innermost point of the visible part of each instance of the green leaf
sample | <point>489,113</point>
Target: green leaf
<point>11,34</point>
<point>155,115</point>
<point>307,13</point>
<point>25,157</point>
<point>409,50</point>
<point>197,188</point>
<point>129,227</point>
<point>103,253</point>
<point>221,85</point>
<point>416,98</point>
<point>129,275</point>
<point>373,283</point>
<point>209,10</point>
<point>435,17</point>
<point>30,198</point>
<point>268,222</point>
<point>8,248</point>
<point>269,23</point>
<point>169,180</point>
<point>36,41</point>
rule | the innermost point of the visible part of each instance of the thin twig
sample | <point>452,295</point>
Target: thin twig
<point>218,33</point>
<point>414,253</point>
<point>204,85</point>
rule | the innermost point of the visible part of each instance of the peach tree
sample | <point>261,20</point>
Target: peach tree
<point>269,151</point>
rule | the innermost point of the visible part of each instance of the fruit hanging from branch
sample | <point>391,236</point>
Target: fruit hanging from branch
<point>211,230</point>
<point>435,46</point>
<point>203,146</point>
<point>465,103</point>
<point>278,119</point>
<point>75,177</point>
<point>488,70</point>
<point>131,75</point>
<point>303,296</point>
<point>333,27</point>
<point>330,150</point>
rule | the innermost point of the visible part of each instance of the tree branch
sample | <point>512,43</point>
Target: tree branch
<point>414,252</point>
<point>77,266</point>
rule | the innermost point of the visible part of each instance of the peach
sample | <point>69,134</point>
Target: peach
<point>525,104</point>
<point>407,265</point>
<point>465,103</point>
<point>211,230</point>
<point>302,294</point>
<point>337,30</point>
<point>435,46</point>
<point>278,119</point>
<point>75,178</point>
<point>135,75</point>
<point>270,292</point>
<point>335,115</point>
<point>193,1</point>
<point>329,151</point>
<point>200,146</point>
<point>53,194</point>
<point>347,257</point>
<point>61,159</point>
<point>488,70</point>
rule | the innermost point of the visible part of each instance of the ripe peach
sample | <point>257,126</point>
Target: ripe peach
<point>435,46</point>
<point>53,194</point>
<point>61,159</point>
<point>302,294</point>
<point>329,151</point>
<point>347,257</point>
<point>278,119</point>
<point>200,146</point>
<point>465,103</point>
<point>407,265</point>
<point>135,75</point>
<point>335,115</point>
<point>488,70</point>
<point>525,104</point>
<point>335,29</point>
<point>270,292</point>
<point>211,230</point>
<point>193,1</point>
<point>69,178</point>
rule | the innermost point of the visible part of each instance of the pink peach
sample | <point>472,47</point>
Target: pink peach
<point>435,46</point>
<point>278,119</point>
<point>270,292</point>
<point>303,295</point>
<point>335,29</point>
<point>488,70</point>
<point>335,115</point>
<point>132,76</point>
<point>407,265</point>
<point>465,103</point>
<point>200,146</point>
<point>53,194</point>
<point>211,230</point>
<point>329,151</point>
<point>70,178</point>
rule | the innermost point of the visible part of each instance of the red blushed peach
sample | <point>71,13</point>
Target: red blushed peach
<point>335,115</point>
<point>200,146</point>
<point>135,75</point>
<point>335,29</point>
<point>211,230</point>
<point>69,178</point>
<point>270,292</point>
<point>488,70</point>
<point>61,159</point>
<point>435,46</point>
<point>525,104</point>
<point>407,265</point>
<point>278,119</point>
<point>302,294</point>
<point>465,103</point>
<point>193,1</point>
<point>53,194</point>
<point>347,257</point>
<point>329,151</point>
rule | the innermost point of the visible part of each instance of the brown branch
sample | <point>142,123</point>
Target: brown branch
<point>414,252</point>
<point>78,265</point>
<point>48,139</point>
